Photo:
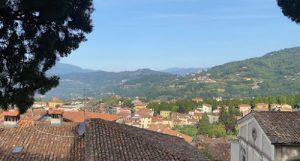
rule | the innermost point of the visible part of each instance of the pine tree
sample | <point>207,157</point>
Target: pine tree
<point>34,34</point>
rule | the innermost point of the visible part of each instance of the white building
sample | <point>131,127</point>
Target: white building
<point>206,108</point>
<point>268,136</point>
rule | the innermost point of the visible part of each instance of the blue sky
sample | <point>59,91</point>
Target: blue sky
<point>158,34</point>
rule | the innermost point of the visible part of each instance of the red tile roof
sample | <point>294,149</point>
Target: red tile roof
<point>165,129</point>
<point>42,142</point>
<point>55,112</point>
<point>145,112</point>
<point>103,140</point>
<point>121,142</point>
<point>79,116</point>
<point>11,113</point>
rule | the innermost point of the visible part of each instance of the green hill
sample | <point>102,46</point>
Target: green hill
<point>276,73</point>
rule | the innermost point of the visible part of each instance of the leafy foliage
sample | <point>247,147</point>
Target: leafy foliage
<point>204,125</point>
<point>33,36</point>
<point>229,118</point>
<point>190,130</point>
<point>211,130</point>
<point>291,9</point>
<point>181,106</point>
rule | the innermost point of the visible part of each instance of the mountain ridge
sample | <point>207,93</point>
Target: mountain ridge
<point>275,73</point>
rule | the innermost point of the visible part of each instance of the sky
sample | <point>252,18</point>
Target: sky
<point>159,34</point>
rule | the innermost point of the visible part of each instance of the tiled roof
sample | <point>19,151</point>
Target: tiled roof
<point>112,141</point>
<point>280,127</point>
<point>157,119</point>
<point>103,140</point>
<point>145,112</point>
<point>55,112</point>
<point>79,116</point>
<point>41,142</point>
<point>11,113</point>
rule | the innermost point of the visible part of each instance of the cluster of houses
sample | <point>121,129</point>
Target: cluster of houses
<point>142,117</point>
<point>267,132</point>
<point>55,134</point>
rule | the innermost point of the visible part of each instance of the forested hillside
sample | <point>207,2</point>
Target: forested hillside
<point>276,73</point>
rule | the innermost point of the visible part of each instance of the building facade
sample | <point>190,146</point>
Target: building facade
<point>268,136</point>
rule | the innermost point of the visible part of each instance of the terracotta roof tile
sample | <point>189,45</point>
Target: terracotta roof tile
<point>122,142</point>
<point>79,116</point>
<point>103,140</point>
<point>42,142</point>
<point>11,113</point>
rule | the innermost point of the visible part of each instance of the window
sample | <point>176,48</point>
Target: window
<point>243,155</point>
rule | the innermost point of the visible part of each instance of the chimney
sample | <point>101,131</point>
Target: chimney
<point>56,117</point>
<point>11,118</point>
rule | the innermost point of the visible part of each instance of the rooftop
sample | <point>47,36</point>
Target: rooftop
<point>280,127</point>
<point>79,116</point>
<point>11,113</point>
<point>106,141</point>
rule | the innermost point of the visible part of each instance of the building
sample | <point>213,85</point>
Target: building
<point>159,120</point>
<point>286,108</point>
<point>213,118</point>
<point>11,118</point>
<point>218,99</point>
<point>268,136</point>
<point>207,108</point>
<point>80,116</point>
<point>93,140</point>
<point>145,112</point>
<point>138,105</point>
<point>196,111</point>
<point>275,107</point>
<point>39,104</point>
<point>165,129</point>
<point>245,109</point>
<point>197,99</point>
<point>55,102</point>
<point>197,116</point>
<point>165,114</point>
<point>124,113</point>
<point>261,107</point>
<point>112,110</point>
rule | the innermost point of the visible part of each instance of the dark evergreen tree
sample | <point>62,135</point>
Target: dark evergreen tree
<point>291,9</point>
<point>34,34</point>
<point>203,125</point>
<point>223,115</point>
<point>181,109</point>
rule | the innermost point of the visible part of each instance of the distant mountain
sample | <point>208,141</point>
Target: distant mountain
<point>62,68</point>
<point>276,73</point>
<point>183,71</point>
<point>101,83</point>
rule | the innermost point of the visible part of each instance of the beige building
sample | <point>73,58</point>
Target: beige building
<point>207,108</point>
<point>55,103</point>
<point>165,114</point>
<point>268,136</point>
<point>197,99</point>
<point>213,118</point>
<point>245,109</point>
<point>286,107</point>
<point>261,107</point>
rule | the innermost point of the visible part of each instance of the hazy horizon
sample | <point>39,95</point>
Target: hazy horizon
<point>161,34</point>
